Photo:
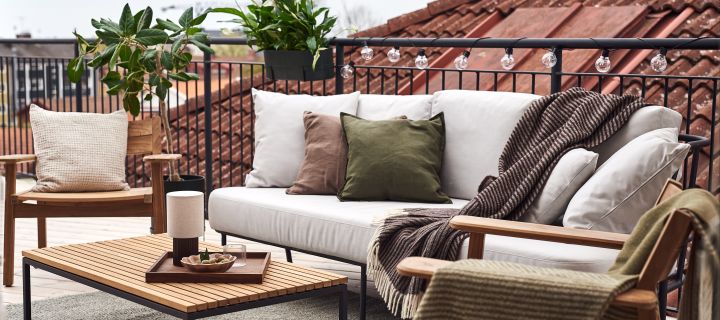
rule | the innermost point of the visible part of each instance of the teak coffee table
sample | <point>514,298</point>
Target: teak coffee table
<point>118,268</point>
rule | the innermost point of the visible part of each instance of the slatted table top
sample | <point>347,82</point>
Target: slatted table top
<point>122,264</point>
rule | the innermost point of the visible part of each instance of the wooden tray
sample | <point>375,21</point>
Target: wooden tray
<point>253,272</point>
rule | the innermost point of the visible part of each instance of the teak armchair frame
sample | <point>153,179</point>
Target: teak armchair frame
<point>144,138</point>
<point>643,297</point>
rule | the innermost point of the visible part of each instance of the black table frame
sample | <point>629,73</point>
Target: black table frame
<point>340,289</point>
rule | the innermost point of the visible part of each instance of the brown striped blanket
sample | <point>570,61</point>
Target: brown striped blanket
<point>550,127</point>
<point>482,289</point>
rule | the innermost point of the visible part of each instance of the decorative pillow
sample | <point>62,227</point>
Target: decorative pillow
<point>642,121</point>
<point>627,184</point>
<point>279,133</point>
<point>323,169</point>
<point>481,123</point>
<point>383,107</point>
<point>569,174</point>
<point>79,152</point>
<point>394,159</point>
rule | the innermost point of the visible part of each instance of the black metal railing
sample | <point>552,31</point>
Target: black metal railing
<point>217,141</point>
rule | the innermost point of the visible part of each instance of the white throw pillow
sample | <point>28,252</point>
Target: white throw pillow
<point>79,152</point>
<point>569,174</point>
<point>280,133</point>
<point>477,126</point>
<point>383,107</point>
<point>627,184</point>
<point>642,121</point>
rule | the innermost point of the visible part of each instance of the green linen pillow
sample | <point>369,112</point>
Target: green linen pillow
<point>393,159</point>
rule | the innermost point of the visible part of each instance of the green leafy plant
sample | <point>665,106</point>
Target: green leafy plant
<point>140,60</point>
<point>285,25</point>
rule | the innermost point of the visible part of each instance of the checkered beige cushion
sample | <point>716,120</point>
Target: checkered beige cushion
<point>79,152</point>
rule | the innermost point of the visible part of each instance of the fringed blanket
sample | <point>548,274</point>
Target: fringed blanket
<point>550,127</point>
<point>481,289</point>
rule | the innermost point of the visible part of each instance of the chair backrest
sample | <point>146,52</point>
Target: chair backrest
<point>144,137</point>
<point>667,249</point>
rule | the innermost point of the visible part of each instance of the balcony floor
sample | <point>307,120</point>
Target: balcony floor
<point>80,230</point>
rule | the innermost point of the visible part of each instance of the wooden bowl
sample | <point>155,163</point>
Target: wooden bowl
<point>193,263</point>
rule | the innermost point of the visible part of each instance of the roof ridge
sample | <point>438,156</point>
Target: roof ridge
<point>407,19</point>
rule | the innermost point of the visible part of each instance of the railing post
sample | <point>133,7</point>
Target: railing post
<point>208,126</point>
<point>78,85</point>
<point>339,62</point>
<point>555,72</point>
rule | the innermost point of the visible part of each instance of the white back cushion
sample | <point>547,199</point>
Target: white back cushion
<point>627,184</point>
<point>477,126</point>
<point>280,133</point>
<point>644,120</point>
<point>383,107</point>
<point>570,173</point>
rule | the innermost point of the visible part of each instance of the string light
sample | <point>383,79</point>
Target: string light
<point>602,64</point>
<point>461,62</point>
<point>549,59</point>
<point>659,62</point>
<point>508,61</point>
<point>421,61</point>
<point>348,70</point>
<point>366,53</point>
<point>394,54</point>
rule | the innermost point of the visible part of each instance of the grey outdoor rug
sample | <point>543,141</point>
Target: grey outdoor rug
<point>102,306</point>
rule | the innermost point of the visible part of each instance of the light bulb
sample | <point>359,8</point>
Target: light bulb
<point>549,59</point>
<point>461,62</point>
<point>421,62</point>
<point>603,64</point>
<point>367,53</point>
<point>394,54</point>
<point>508,61</point>
<point>348,70</point>
<point>659,62</point>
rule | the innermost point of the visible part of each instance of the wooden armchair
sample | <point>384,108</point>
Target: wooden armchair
<point>643,297</point>
<point>144,138</point>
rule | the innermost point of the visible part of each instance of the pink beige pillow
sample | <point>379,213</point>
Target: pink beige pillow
<point>323,168</point>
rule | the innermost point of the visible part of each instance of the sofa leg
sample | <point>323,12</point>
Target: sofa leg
<point>662,299</point>
<point>288,255</point>
<point>363,290</point>
<point>223,239</point>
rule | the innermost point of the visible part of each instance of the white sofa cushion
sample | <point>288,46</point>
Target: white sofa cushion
<point>570,173</point>
<point>324,225</point>
<point>478,124</point>
<point>627,184</point>
<point>383,107</point>
<point>642,121</point>
<point>280,133</point>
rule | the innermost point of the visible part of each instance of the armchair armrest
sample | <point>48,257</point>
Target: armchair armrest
<point>17,158</point>
<point>162,157</point>
<point>425,268</point>
<point>539,232</point>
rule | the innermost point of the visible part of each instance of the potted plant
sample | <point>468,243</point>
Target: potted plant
<point>140,61</point>
<point>291,34</point>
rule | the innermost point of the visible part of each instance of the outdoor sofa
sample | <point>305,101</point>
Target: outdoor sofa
<point>478,125</point>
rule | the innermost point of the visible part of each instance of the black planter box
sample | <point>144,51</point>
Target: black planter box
<point>297,65</point>
<point>188,183</point>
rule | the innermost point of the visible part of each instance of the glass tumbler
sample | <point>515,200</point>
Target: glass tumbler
<point>238,250</point>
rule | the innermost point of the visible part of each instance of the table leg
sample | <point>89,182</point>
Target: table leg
<point>343,302</point>
<point>26,291</point>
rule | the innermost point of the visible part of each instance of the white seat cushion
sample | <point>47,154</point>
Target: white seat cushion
<point>324,225</point>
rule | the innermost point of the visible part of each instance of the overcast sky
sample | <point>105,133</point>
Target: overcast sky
<point>58,18</point>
